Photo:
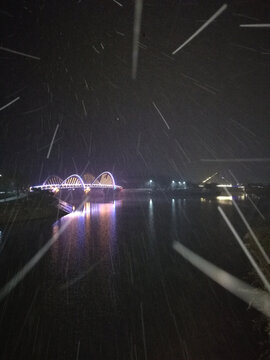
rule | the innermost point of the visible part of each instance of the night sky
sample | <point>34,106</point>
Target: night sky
<point>214,93</point>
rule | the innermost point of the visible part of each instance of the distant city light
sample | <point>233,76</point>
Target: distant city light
<point>173,182</point>
<point>150,181</point>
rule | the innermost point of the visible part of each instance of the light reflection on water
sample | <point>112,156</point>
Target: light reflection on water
<point>90,234</point>
<point>115,259</point>
<point>224,199</point>
<point>174,220</point>
<point>151,217</point>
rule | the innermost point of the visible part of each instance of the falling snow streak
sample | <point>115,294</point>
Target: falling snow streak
<point>51,145</point>
<point>46,146</point>
<point>84,109</point>
<point>90,144</point>
<point>120,33</point>
<point>142,45</point>
<point>145,163</point>
<point>234,177</point>
<point>96,50</point>
<point>205,88</point>
<point>136,36</point>
<point>254,237</point>
<point>246,251</point>
<point>255,206</point>
<point>19,53</point>
<point>10,103</point>
<point>208,22</point>
<point>259,299</point>
<point>86,85</point>
<point>255,25</point>
<point>244,128</point>
<point>78,350</point>
<point>182,150</point>
<point>168,56</point>
<point>243,47</point>
<point>19,276</point>
<point>196,82</point>
<point>162,117</point>
<point>245,16</point>
<point>237,139</point>
<point>138,143</point>
<point>118,3</point>
<point>237,160</point>
<point>40,173</point>
<point>34,110</point>
<point>84,170</point>
<point>143,332</point>
<point>81,276</point>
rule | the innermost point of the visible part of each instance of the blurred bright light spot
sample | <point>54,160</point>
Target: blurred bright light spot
<point>223,199</point>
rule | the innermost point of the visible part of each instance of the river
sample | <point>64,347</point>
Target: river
<point>112,287</point>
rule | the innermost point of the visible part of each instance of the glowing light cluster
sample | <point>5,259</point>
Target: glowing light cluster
<point>75,181</point>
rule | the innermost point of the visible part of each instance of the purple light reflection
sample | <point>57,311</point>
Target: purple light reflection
<point>90,235</point>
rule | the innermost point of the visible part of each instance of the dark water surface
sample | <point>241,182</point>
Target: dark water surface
<point>112,287</point>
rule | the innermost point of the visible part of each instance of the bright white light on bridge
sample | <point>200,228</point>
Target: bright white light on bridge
<point>224,185</point>
<point>223,199</point>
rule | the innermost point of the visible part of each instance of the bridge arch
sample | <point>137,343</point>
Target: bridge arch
<point>105,178</point>
<point>53,180</point>
<point>88,178</point>
<point>73,180</point>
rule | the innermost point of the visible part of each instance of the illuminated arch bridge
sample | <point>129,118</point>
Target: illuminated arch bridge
<point>54,183</point>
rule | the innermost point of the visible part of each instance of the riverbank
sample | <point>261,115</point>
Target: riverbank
<point>32,206</point>
<point>261,228</point>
